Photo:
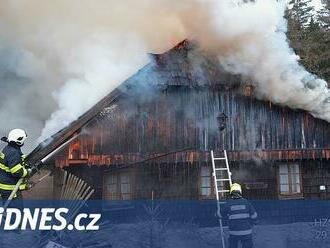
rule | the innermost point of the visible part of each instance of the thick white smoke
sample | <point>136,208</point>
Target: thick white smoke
<point>81,50</point>
<point>96,67</point>
<point>252,42</point>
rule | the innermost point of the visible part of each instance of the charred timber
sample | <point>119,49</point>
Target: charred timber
<point>134,159</point>
<point>49,145</point>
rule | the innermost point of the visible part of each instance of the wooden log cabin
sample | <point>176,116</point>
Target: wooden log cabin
<point>151,137</point>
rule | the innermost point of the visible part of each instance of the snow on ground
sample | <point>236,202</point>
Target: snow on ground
<point>297,235</point>
<point>184,235</point>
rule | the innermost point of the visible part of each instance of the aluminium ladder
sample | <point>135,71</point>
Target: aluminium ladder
<point>222,178</point>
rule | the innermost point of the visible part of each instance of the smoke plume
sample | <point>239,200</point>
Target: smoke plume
<point>58,58</point>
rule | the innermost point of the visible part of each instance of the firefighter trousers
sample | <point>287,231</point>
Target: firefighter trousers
<point>246,241</point>
<point>17,202</point>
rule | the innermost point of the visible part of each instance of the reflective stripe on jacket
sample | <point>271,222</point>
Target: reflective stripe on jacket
<point>241,216</point>
<point>12,167</point>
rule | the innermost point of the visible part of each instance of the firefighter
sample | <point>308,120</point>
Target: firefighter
<point>12,164</point>
<point>241,218</point>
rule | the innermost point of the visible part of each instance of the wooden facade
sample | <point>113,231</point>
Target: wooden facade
<point>154,140</point>
<point>260,180</point>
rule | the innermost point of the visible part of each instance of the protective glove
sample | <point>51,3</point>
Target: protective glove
<point>29,185</point>
<point>29,171</point>
<point>33,168</point>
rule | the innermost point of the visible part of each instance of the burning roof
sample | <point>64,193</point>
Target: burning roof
<point>186,66</point>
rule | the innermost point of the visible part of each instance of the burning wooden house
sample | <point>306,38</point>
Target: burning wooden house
<point>151,137</point>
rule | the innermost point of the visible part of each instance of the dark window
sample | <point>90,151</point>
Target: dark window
<point>125,186</point>
<point>206,181</point>
<point>117,186</point>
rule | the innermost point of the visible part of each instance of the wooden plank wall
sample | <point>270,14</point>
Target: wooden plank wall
<point>187,118</point>
<point>316,173</point>
<point>182,180</point>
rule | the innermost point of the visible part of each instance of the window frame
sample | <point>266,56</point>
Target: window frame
<point>119,195</point>
<point>200,187</point>
<point>290,194</point>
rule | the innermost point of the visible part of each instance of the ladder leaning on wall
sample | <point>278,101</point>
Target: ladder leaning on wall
<point>222,182</point>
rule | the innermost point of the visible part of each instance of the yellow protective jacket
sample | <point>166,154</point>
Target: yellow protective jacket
<point>12,167</point>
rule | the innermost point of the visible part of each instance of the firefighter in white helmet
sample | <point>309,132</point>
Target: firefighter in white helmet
<point>12,164</point>
<point>241,218</point>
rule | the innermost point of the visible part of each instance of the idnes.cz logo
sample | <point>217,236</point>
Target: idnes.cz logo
<point>46,219</point>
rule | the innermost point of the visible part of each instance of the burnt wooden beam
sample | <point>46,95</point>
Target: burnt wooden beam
<point>50,144</point>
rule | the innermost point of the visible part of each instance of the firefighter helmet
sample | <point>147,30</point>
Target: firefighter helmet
<point>235,187</point>
<point>18,136</point>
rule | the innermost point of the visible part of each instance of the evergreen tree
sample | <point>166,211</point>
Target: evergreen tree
<point>317,50</point>
<point>324,16</point>
<point>301,11</point>
<point>309,37</point>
